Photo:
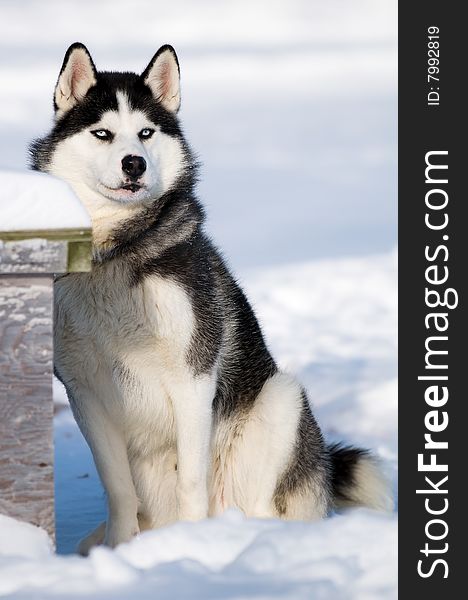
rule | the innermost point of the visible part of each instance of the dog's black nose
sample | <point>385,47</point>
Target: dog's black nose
<point>134,166</point>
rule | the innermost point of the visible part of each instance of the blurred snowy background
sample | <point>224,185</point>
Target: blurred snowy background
<point>292,109</point>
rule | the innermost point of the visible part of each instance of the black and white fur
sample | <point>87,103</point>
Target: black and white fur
<point>167,371</point>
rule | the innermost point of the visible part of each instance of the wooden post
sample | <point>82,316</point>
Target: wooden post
<point>28,261</point>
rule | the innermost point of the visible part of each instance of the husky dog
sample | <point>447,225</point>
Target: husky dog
<point>164,363</point>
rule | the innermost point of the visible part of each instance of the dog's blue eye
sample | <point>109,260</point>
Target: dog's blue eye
<point>146,133</point>
<point>102,134</point>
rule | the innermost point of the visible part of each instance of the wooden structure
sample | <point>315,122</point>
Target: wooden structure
<point>28,262</point>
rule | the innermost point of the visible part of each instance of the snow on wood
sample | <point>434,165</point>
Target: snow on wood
<point>36,201</point>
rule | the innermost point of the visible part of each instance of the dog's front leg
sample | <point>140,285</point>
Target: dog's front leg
<point>192,404</point>
<point>109,450</point>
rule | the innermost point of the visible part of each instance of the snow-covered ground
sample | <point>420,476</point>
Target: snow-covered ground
<point>227,558</point>
<point>292,108</point>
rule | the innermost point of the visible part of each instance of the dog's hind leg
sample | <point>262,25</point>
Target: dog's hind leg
<point>254,451</point>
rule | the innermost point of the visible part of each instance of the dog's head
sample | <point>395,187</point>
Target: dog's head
<point>116,136</point>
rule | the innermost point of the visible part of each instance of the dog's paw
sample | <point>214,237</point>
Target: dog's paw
<point>95,538</point>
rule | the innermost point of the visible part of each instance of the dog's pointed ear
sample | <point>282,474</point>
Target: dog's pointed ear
<point>162,76</point>
<point>77,76</point>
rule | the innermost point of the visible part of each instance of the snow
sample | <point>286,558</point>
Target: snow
<point>36,201</point>
<point>292,109</point>
<point>228,557</point>
<point>23,540</point>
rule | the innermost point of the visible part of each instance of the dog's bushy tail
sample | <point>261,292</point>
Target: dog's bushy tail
<point>358,480</point>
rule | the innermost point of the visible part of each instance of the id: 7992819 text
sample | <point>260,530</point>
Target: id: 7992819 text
<point>433,70</point>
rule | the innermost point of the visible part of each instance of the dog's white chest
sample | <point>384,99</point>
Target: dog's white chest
<point>126,344</point>
<point>155,316</point>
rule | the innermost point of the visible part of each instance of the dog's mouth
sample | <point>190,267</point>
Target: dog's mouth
<point>131,187</point>
<point>124,192</point>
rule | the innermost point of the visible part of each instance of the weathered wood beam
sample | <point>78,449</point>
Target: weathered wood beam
<point>60,251</point>
<point>26,407</point>
<point>28,262</point>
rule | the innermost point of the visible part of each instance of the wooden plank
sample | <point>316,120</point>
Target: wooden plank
<point>79,256</point>
<point>67,234</point>
<point>33,256</point>
<point>26,405</point>
<point>30,256</point>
